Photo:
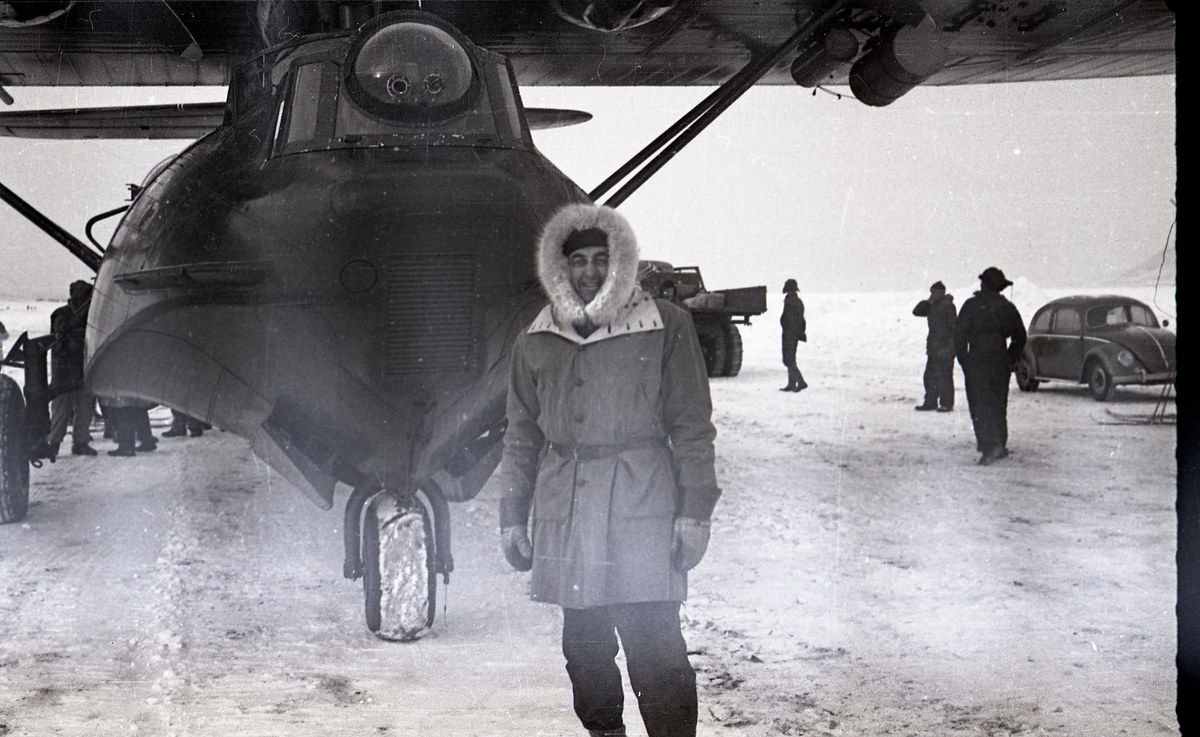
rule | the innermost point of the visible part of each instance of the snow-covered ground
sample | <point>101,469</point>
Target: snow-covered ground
<point>865,577</point>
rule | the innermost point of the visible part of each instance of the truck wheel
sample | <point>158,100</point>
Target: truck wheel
<point>712,343</point>
<point>398,584</point>
<point>14,453</point>
<point>733,350</point>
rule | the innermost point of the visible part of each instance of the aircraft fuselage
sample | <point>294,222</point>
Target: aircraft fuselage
<point>338,273</point>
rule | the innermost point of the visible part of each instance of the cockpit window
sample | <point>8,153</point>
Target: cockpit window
<point>404,84</point>
<point>412,72</point>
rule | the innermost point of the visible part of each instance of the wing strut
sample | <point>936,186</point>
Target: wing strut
<point>698,118</point>
<point>78,248</point>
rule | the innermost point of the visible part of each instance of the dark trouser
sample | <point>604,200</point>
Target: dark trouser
<point>987,379</point>
<point>130,425</point>
<point>124,423</point>
<point>795,378</point>
<point>182,424</point>
<point>939,381</point>
<point>655,655</point>
<point>76,409</point>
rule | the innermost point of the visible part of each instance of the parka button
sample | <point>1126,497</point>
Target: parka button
<point>581,347</point>
<point>579,418</point>
<point>579,382</point>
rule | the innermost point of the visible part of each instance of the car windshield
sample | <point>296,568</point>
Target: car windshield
<point>1120,315</point>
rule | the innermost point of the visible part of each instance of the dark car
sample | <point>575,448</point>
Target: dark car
<point>1100,341</point>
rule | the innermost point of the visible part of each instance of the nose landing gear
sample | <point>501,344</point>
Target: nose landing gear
<point>398,546</point>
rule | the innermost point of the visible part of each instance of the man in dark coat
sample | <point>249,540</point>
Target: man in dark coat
<point>939,349</point>
<point>792,321</point>
<point>988,339</point>
<point>75,407</point>
<point>610,445</point>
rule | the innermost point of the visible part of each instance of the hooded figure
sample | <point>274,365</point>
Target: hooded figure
<point>608,460</point>
<point>939,349</point>
<point>988,339</point>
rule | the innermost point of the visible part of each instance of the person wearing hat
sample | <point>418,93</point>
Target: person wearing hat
<point>939,349</point>
<point>988,339</point>
<point>792,322</point>
<point>608,461</point>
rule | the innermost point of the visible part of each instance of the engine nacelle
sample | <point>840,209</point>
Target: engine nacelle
<point>906,57</point>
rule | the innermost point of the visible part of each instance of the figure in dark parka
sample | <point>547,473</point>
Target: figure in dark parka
<point>792,322</point>
<point>939,349</point>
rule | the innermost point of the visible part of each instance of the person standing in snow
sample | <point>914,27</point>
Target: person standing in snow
<point>939,349</point>
<point>792,322</point>
<point>988,339</point>
<point>610,445</point>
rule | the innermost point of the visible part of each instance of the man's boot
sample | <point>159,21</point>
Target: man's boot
<point>618,732</point>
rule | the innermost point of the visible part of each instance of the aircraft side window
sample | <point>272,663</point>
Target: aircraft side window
<point>250,87</point>
<point>310,109</point>
<point>1067,322</point>
<point>1041,322</point>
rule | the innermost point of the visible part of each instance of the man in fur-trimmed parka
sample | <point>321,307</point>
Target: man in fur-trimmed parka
<point>608,459</point>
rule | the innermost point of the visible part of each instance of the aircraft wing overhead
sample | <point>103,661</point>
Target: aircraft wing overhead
<point>189,120</point>
<point>655,42</point>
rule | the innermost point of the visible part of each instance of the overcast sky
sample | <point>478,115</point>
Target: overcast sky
<point>1068,184</point>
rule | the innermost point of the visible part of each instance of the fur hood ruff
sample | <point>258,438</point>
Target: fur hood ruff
<point>620,286</point>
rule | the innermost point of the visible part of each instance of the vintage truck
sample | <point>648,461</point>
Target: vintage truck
<point>715,313</point>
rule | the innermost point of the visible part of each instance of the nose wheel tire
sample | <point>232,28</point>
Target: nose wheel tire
<point>14,453</point>
<point>399,583</point>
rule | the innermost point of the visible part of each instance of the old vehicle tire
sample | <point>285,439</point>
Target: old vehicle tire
<point>14,453</point>
<point>733,349</point>
<point>712,344</point>
<point>1099,381</point>
<point>1025,374</point>
<point>399,586</point>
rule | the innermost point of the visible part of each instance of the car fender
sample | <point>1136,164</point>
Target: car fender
<point>1100,353</point>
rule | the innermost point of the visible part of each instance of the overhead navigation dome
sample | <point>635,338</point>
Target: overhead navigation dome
<point>412,70</point>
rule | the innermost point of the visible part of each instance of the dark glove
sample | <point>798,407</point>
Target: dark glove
<point>689,542</point>
<point>514,541</point>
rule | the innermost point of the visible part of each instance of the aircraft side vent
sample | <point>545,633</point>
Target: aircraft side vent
<point>430,300</point>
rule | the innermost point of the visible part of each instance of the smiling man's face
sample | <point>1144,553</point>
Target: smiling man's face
<point>588,267</point>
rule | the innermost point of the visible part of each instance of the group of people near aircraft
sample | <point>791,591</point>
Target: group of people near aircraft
<point>607,478</point>
<point>127,421</point>
<point>987,337</point>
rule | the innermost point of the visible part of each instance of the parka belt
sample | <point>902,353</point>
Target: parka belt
<point>595,452</point>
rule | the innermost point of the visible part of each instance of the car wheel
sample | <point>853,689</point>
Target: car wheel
<point>1025,374</point>
<point>1099,381</point>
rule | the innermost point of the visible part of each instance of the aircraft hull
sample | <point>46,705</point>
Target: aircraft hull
<point>349,312</point>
